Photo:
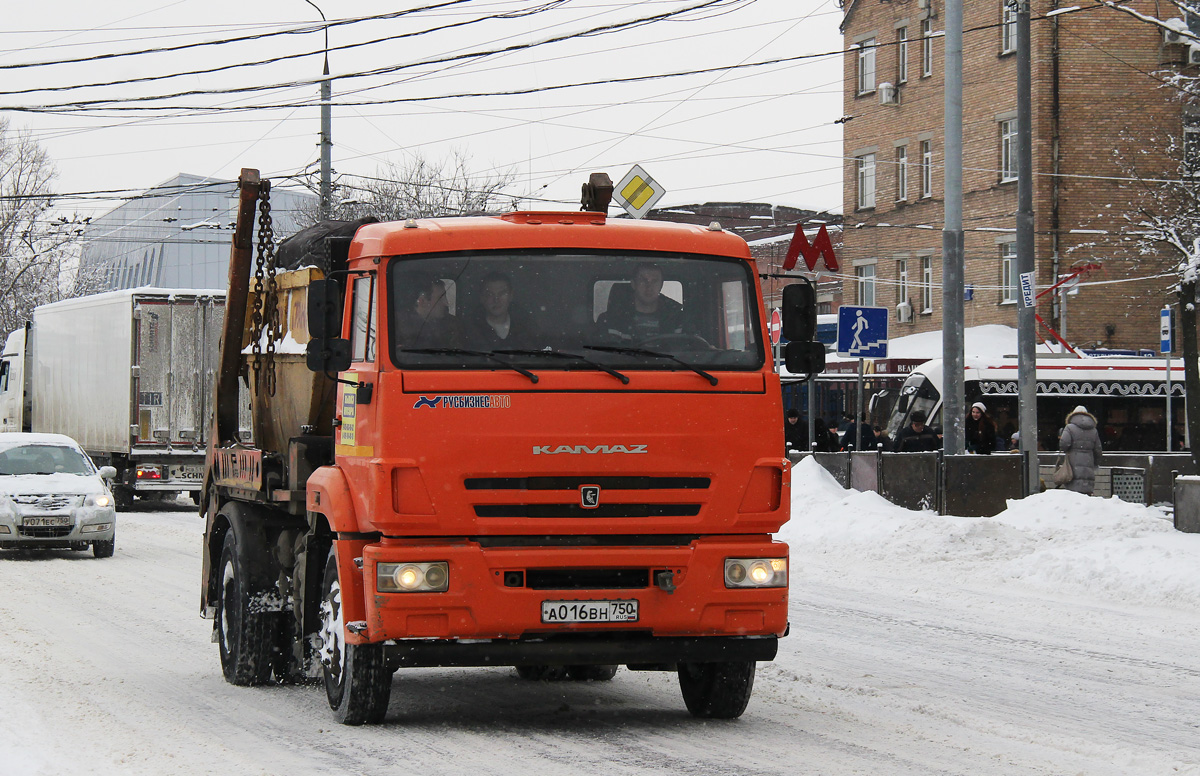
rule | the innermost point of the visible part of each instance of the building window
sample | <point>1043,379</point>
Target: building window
<point>1008,26</point>
<point>926,284</point>
<point>902,282</point>
<point>866,66</point>
<point>1008,150</point>
<point>1191,146</point>
<point>901,173</point>
<point>926,48</point>
<point>902,55</point>
<point>866,285</point>
<point>866,181</point>
<point>926,168</point>
<point>1008,273</point>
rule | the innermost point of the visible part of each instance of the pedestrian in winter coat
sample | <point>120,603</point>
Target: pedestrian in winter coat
<point>824,440</point>
<point>917,437</point>
<point>795,431</point>
<point>1080,441</point>
<point>981,430</point>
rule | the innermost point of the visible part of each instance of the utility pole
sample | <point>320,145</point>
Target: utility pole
<point>953,401</point>
<point>1026,322</point>
<point>1187,336</point>
<point>326,129</point>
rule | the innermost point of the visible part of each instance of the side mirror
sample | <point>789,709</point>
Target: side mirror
<point>108,472</point>
<point>800,313</point>
<point>803,358</point>
<point>324,309</point>
<point>328,354</point>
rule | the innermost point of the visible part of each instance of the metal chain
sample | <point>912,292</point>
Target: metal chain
<point>270,302</point>
<point>256,313</point>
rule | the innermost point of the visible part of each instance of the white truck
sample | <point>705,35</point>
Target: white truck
<point>127,375</point>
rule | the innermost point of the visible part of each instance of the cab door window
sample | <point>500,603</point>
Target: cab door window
<point>362,319</point>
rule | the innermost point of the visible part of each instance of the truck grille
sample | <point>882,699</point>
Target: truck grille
<point>575,510</point>
<point>587,579</point>
<point>574,483</point>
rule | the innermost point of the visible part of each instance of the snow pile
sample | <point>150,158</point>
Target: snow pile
<point>1055,540</point>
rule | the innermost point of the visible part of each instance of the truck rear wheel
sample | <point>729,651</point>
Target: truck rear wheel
<point>244,630</point>
<point>717,690</point>
<point>358,683</point>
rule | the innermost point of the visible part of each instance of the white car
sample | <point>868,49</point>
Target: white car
<point>53,497</point>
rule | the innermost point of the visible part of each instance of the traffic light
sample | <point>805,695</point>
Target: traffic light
<point>803,355</point>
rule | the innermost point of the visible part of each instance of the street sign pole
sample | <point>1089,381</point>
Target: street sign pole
<point>1165,332</point>
<point>858,411</point>
<point>862,333</point>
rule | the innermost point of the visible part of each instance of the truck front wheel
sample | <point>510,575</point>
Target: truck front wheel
<point>358,683</point>
<point>244,629</point>
<point>717,690</point>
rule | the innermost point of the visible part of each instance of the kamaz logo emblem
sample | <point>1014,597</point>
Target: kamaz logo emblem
<point>589,496</point>
<point>587,450</point>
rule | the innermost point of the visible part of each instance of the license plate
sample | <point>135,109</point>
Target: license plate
<point>589,611</point>
<point>46,521</point>
<point>187,471</point>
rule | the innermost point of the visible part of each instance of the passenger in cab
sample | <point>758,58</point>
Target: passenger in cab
<point>427,322</point>
<point>495,326</point>
<point>648,315</point>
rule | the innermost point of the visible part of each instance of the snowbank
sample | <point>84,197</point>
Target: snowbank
<point>1059,540</point>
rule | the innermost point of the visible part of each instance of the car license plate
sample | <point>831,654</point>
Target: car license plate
<point>589,611</point>
<point>187,471</point>
<point>33,522</point>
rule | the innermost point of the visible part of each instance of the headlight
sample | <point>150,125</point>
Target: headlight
<point>412,577</point>
<point>98,500</point>
<point>756,572</point>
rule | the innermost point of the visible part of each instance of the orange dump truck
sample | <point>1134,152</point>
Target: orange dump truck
<point>551,441</point>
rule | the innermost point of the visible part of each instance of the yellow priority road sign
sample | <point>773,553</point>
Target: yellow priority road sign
<point>638,192</point>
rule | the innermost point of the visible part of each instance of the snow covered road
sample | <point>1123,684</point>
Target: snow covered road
<point>1062,637</point>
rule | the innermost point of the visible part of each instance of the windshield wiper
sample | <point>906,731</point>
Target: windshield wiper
<point>652,353</point>
<point>481,353</point>
<point>572,356</point>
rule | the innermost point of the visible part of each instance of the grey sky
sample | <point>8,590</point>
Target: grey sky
<point>760,133</point>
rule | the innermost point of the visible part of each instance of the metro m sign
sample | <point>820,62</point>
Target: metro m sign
<point>821,247</point>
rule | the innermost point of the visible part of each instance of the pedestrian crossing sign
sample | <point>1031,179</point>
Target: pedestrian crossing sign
<point>862,332</point>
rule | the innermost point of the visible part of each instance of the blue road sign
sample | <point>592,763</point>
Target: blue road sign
<point>862,332</point>
<point>1165,328</point>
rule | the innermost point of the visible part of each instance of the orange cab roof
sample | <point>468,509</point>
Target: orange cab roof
<point>532,229</point>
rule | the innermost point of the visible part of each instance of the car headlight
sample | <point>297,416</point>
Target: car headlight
<point>756,572</point>
<point>95,528</point>
<point>412,577</point>
<point>98,500</point>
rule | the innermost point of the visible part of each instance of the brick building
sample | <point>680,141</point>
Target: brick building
<point>1096,105</point>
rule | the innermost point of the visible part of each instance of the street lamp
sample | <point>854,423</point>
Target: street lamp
<point>326,129</point>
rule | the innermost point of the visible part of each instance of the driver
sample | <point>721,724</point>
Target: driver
<point>651,315</point>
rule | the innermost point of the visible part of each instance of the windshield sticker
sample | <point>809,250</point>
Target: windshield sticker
<point>488,402</point>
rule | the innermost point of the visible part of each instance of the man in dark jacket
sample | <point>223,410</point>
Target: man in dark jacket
<point>651,315</point>
<point>850,439</point>
<point>917,437</point>
<point>496,325</point>
<point>795,431</point>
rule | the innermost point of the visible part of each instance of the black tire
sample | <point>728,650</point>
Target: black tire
<point>591,673</point>
<point>358,682</point>
<point>244,630</point>
<point>717,690</point>
<point>104,549</point>
<point>540,673</point>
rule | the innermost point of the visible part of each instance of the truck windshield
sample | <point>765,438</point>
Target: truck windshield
<point>630,311</point>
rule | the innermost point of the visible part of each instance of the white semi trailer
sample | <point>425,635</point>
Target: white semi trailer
<point>127,375</point>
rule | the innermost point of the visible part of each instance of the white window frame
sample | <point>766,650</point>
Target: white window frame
<point>1008,273</point>
<point>864,276</point>
<point>902,281</point>
<point>1008,150</point>
<point>1008,27</point>
<point>926,168</point>
<point>902,55</point>
<point>926,48</point>
<point>866,66</point>
<point>926,284</point>
<point>902,173</point>
<point>866,181</point>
